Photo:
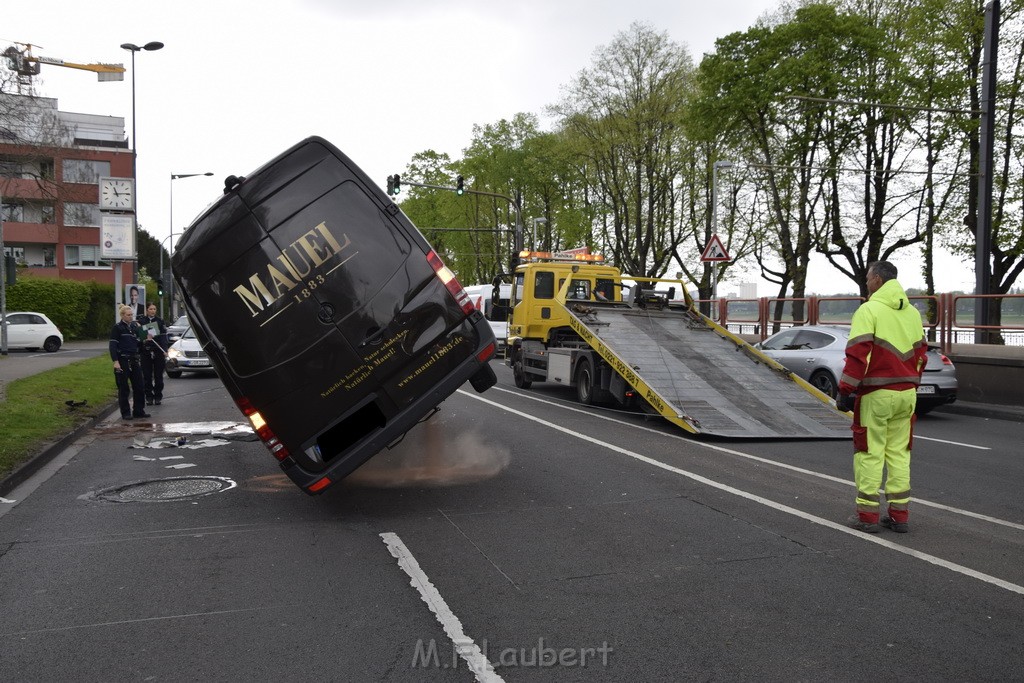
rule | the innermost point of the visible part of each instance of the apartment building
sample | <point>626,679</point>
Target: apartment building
<point>50,165</point>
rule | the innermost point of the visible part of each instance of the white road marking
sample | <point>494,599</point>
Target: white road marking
<point>464,645</point>
<point>931,559</point>
<point>773,463</point>
<point>952,443</point>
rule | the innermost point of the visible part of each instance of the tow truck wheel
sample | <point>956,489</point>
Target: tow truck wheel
<point>521,380</point>
<point>585,382</point>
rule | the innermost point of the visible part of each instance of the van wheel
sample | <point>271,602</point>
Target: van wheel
<point>824,382</point>
<point>174,374</point>
<point>521,380</point>
<point>51,344</point>
<point>585,382</point>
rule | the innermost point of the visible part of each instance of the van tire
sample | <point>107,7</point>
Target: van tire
<point>51,345</point>
<point>520,378</point>
<point>585,389</point>
<point>483,379</point>
<point>174,374</point>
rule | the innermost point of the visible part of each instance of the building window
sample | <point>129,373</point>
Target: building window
<point>10,168</point>
<point>28,169</point>
<point>85,171</point>
<point>82,215</point>
<point>18,253</point>
<point>83,256</point>
<point>13,213</point>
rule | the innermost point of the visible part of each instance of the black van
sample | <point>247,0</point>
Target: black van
<point>333,324</point>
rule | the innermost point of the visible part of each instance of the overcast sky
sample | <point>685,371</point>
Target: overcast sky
<point>239,82</point>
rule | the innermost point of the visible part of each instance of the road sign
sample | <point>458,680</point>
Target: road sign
<point>715,251</point>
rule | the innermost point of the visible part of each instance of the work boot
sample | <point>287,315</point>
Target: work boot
<point>898,527</point>
<point>126,417</point>
<point>142,415</point>
<point>855,522</point>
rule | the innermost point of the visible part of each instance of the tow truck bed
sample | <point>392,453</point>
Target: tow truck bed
<point>702,377</point>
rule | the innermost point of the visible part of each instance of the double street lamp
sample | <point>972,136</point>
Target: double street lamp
<point>170,211</point>
<point>133,48</point>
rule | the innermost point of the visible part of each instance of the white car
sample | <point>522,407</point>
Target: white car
<point>29,330</point>
<point>177,328</point>
<point>187,355</point>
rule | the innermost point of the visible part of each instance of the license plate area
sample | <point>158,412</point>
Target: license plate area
<point>926,389</point>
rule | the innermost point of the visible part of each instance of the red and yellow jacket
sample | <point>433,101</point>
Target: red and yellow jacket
<point>887,345</point>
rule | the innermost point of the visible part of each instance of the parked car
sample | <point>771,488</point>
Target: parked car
<point>817,353</point>
<point>187,355</point>
<point>32,331</point>
<point>177,328</point>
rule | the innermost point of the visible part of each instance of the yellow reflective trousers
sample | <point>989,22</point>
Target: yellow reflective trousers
<point>883,433</point>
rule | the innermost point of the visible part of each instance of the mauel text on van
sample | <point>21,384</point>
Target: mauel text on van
<point>302,261</point>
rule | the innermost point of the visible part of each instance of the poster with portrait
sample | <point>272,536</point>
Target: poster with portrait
<point>135,296</point>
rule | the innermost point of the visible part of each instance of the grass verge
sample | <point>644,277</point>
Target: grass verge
<point>35,411</point>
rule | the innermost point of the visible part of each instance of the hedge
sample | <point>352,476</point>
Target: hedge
<point>82,310</point>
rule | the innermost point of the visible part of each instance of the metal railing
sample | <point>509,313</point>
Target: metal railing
<point>948,318</point>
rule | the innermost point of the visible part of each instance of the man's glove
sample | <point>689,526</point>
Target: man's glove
<point>845,402</point>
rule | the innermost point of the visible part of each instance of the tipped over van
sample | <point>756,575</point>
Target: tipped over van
<point>333,324</point>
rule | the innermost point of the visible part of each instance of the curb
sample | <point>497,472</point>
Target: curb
<point>50,450</point>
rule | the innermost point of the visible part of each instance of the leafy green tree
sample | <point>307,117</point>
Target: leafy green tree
<point>624,117</point>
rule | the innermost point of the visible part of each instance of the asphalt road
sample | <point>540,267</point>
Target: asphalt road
<point>519,534</point>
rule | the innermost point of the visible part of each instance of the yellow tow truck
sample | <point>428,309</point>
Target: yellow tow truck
<point>642,342</point>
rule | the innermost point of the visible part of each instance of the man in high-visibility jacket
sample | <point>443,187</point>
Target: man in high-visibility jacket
<point>884,360</point>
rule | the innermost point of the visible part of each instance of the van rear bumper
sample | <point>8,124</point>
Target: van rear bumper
<point>343,465</point>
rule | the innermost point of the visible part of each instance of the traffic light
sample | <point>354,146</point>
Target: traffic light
<point>459,185</point>
<point>397,185</point>
<point>391,185</point>
<point>159,287</point>
<point>11,269</point>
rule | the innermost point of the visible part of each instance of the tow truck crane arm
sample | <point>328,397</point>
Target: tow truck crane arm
<point>24,63</point>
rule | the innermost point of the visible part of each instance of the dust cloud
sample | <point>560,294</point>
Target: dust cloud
<point>433,454</point>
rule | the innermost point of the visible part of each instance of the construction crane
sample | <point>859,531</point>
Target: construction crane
<point>24,63</point>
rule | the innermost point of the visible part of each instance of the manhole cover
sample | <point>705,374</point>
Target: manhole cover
<point>164,490</point>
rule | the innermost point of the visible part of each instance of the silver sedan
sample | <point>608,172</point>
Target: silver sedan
<point>817,353</point>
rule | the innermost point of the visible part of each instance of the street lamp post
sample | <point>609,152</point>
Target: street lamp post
<point>714,219</point>
<point>133,48</point>
<point>170,211</point>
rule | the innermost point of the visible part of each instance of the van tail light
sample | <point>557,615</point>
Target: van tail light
<point>263,430</point>
<point>451,283</point>
<point>945,359</point>
<point>319,485</point>
<point>486,354</point>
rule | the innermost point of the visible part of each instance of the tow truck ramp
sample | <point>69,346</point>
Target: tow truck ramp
<point>702,377</point>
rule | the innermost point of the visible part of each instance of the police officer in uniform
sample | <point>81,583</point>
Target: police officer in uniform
<point>154,355</point>
<point>124,351</point>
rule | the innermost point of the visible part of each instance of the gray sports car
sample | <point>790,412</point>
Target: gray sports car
<point>817,353</point>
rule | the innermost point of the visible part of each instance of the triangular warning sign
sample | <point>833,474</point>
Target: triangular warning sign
<point>715,251</point>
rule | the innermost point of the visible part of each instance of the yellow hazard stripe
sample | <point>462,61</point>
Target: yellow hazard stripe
<point>629,375</point>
